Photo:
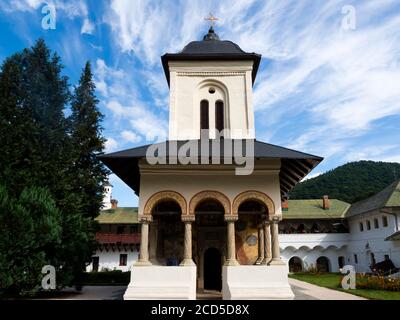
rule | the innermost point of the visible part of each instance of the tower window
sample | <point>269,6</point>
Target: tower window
<point>219,115</point>
<point>204,115</point>
<point>211,90</point>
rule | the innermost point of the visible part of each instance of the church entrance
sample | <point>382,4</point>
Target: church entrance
<point>212,269</point>
<point>210,244</point>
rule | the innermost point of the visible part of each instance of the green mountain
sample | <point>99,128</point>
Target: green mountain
<point>351,182</point>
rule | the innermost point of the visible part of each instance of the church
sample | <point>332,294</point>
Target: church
<point>212,191</point>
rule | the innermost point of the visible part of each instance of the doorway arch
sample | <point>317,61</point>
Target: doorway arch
<point>295,264</point>
<point>212,269</point>
<point>323,264</point>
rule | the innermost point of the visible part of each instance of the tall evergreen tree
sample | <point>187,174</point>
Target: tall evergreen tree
<point>87,141</point>
<point>44,149</point>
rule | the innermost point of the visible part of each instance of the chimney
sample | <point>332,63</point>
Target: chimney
<point>326,203</point>
<point>114,204</point>
<point>285,204</point>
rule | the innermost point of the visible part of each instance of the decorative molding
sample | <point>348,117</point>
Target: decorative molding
<point>188,218</point>
<point>231,217</point>
<point>275,219</point>
<point>256,196</point>
<point>165,195</point>
<point>147,218</point>
<point>210,195</point>
<point>210,74</point>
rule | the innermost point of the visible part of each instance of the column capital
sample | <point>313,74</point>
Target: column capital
<point>146,218</point>
<point>188,217</point>
<point>274,219</point>
<point>231,217</point>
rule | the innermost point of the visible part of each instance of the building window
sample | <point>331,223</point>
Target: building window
<point>376,223</point>
<point>204,122</point>
<point>355,259</point>
<point>219,115</point>
<point>384,221</point>
<point>368,225</point>
<point>361,227</point>
<point>134,229</point>
<point>123,259</point>
<point>120,229</point>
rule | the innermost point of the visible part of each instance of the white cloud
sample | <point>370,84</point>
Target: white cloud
<point>111,145</point>
<point>87,27</point>
<point>340,81</point>
<point>130,136</point>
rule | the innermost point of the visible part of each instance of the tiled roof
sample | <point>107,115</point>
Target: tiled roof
<point>388,197</point>
<point>119,215</point>
<point>312,209</point>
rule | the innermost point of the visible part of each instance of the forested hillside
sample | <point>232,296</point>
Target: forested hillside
<point>351,182</point>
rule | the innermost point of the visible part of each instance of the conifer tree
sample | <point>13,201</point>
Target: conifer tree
<point>87,141</point>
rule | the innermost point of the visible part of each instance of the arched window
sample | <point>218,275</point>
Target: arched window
<point>204,115</point>
<point>219,115</point>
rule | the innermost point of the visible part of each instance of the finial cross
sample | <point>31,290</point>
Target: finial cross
<point>212,19</point>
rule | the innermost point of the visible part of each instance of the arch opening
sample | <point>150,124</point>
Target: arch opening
<point>295,264</point>
<point>323,264</point>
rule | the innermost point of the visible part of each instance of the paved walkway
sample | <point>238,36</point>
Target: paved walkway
<point>301,289</point>
<point>307,291</point>
<point>92,293</point>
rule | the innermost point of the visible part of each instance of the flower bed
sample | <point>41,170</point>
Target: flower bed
<point>364,281</point>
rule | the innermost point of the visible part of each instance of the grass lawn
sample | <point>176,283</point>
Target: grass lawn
<point>332,281</point>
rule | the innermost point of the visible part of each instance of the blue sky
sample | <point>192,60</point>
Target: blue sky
<point>321,88</point>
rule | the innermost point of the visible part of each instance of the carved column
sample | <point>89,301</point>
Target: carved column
<point>187,253</point>
<point>144,241</point>
<point>267,242</point>
<point>261,246</point>
<point>231,259</point>
<point>276,254</point>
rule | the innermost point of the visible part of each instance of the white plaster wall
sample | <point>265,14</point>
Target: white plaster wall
<point>188,181</point>
<point>188,83</point>
<point>309,256</point>
<point>110,260</point>
<point>375,238</point>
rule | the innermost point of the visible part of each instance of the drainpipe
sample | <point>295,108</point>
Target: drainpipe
<point>395,218</point>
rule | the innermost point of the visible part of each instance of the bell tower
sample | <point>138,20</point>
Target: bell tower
<point>211,88</point>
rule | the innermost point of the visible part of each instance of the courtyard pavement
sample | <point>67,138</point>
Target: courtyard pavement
<point>307,291</point>
<point>301,289</point>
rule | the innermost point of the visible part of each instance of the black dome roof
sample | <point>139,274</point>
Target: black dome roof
<point>211,48</point>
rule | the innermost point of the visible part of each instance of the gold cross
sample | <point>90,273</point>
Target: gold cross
<point>212,19</point>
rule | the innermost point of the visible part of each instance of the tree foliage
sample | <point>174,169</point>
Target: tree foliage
<point>351,182</point>
<point>48,157</point>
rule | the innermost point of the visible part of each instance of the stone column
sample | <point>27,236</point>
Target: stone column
<point>187,253</point>
<point>276,254</point>
<point>153,234</point>
<point>261,246</point>
<point>144,241</point>
<point>267,242</point>
<point>231,259</point>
